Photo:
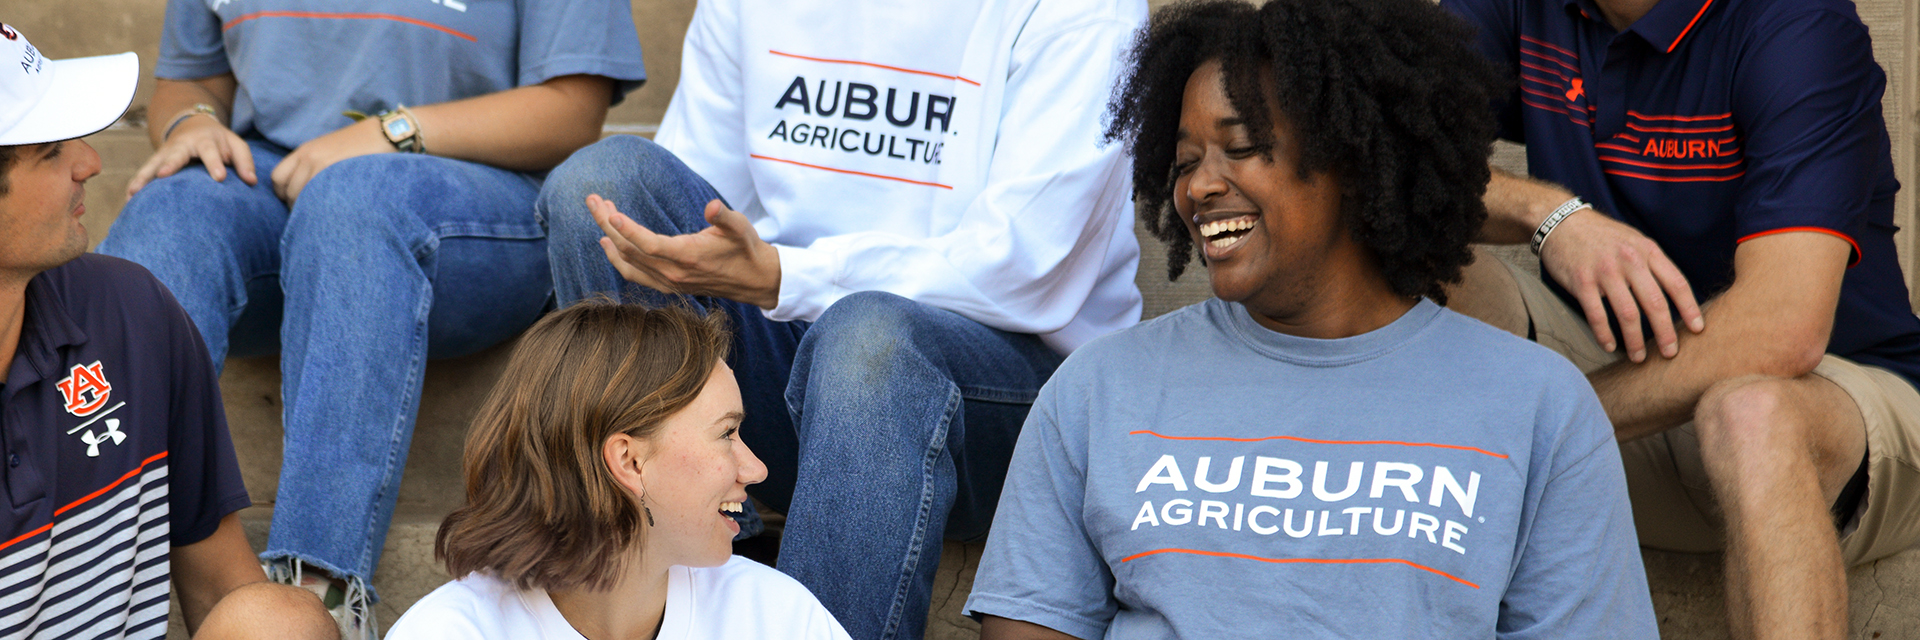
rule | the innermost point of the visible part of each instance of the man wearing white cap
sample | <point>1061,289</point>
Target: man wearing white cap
<point>114,457</point>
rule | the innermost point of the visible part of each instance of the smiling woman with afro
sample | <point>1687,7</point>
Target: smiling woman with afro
<point>1320,450</point>
<point>1388,96</point>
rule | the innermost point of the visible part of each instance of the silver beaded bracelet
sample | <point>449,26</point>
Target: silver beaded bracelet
<point>1553,220</point>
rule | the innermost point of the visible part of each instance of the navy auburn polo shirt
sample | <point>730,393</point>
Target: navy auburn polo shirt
<point>113,447</point>
<point>1708,123</point>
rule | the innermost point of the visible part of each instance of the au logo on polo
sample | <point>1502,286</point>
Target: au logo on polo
<point>85,389</point>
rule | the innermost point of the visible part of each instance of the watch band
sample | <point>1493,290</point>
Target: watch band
<point>403,130</point>
<point>1553,221</point>
<point>197,109</point>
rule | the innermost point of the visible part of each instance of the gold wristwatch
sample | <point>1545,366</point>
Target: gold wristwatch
<point>402,130</point>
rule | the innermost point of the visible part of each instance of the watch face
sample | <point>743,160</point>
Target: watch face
<point>398,128</point>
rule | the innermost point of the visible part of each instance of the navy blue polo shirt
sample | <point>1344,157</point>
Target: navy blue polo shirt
<point>113,447</point>
<point>1708,123</point>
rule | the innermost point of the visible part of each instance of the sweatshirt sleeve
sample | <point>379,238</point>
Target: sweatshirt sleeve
<point>1039,239</point>
<point>705,120</point>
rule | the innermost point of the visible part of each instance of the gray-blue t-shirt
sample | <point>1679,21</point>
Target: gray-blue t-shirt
<point>300,63</point>
<point>1200,476</point>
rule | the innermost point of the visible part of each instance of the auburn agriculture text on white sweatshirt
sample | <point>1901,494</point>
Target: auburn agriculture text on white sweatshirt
<point>947,152</point>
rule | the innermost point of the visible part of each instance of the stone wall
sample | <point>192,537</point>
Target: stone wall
<point>1895,28</point>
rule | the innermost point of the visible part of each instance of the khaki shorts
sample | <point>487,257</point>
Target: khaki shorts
<point>1673,507</point>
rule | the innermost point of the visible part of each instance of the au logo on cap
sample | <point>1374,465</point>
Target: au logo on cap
<point>7,32</point>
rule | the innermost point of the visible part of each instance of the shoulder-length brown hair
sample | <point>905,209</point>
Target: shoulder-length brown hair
<point>543,511</point>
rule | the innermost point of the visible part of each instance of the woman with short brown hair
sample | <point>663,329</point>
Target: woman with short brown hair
<point>600,474</point>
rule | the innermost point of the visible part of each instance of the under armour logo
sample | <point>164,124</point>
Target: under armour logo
<point>1577,91</point>
<point>112,433</point>
<point>85,389</point>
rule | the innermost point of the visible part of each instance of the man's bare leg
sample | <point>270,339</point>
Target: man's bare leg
<point>1777,452</point>
<point>1487,292</point>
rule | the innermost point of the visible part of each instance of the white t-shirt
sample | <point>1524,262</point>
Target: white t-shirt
<point>740,599</point>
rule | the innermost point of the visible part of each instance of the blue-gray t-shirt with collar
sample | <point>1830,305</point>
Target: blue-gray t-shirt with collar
<point>300,63</point>
<point>1200,476</point>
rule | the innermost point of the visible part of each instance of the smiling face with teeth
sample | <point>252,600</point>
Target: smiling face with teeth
<point>1273,239</point>
<point>695,471</point>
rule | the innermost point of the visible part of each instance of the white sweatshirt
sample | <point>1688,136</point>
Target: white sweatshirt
<point>946,152</point>
<point>740,599</point>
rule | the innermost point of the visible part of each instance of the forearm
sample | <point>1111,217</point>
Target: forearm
<point>1648,397</point>
<point>205,572</point>
<point>173,97</point>
<point>530,128</point>
<point>1773,321</point>
<point>194,607</point>
<point>1516,205</point>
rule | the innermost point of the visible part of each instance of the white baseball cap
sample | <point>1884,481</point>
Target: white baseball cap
<point>45,100</point>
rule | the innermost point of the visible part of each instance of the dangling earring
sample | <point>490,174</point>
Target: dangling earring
<point>649,512</point>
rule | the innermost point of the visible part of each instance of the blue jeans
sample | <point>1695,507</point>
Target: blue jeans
<point>886,425</point>
<point>384,261</point>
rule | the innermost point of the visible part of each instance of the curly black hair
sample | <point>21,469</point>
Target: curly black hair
<point>1388,95</point>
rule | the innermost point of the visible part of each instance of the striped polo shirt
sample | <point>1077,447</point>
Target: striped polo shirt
<point>115,448</point>
<point>1707,123</point>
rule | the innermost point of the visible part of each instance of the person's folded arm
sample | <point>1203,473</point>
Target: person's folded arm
<point>1774,321</point>
<point>530,128</point>
<point>527,128</point>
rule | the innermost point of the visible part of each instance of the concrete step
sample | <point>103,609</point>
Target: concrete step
<point>1691,605</point>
